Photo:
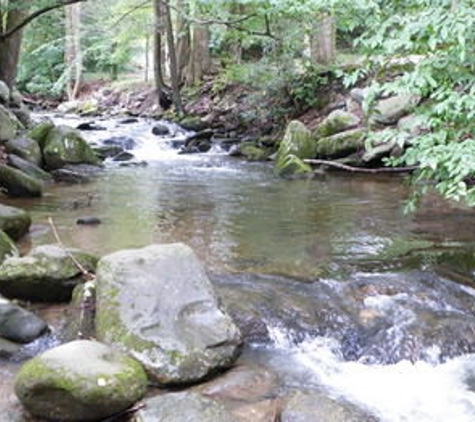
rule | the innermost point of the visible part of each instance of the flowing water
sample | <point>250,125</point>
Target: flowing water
<point>336,232</point>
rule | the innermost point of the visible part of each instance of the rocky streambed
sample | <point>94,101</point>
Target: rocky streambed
<point>297,300</point>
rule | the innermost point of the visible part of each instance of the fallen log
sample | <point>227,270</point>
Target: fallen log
<point>351,169</point>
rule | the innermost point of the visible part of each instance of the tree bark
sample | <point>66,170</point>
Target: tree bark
<point>157,50</point>
<point>10,47</point>
<point>323,41</point>
<point>174,76</point>
<point>73,52</point>
<point>200,59</point>
<point>183,40</point>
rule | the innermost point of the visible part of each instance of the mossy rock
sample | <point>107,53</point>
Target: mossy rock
<point>9,124</point>
<point>390,110</point>
<point>40,132</point>
<point>7,247</point>
<point>29,168</point>
<point>80,381</point>
<point>298,142</point>
<point>341,144</point>
<point>253,153</point>
<point>14,221</point>
<point>19,184</point>
<point>26,148</point>
<point>179,407</point>
<point>337,121</point>
<point>158,305</point>
<point>293,166</point>
<point>193,123</point>
<point>64,146</point>
<point>47,274</point>
<point>4,93</point>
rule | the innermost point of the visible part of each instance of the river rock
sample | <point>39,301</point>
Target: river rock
<point>64,146</point>
<point>194,123</point>
<point>88,221</point>
<point>29,168</point>
<point>298,144</point>
<point>9,124</point>
<point>158,304</point>
<point>7,247</point>
<point>390,110</point>
<point>123,156</point>
<point>4,93</point>
<point>252,152</point>
<point>28,149</point>
<point>47,274</point>
<point>123,142</point>
<point>19,184</point>
<point>180,407</point>
<point>337,121</point>
<point>90,126</point>
<point>316,407</point>
<point>80,381</point>
<point>14,221</point>
<point>76,173</point>
<point>341,145</point>
<point>19,325</point>
<point>40,132</point>
<point>161,129</point>
<point>7,350</point>
<point>23,114</point>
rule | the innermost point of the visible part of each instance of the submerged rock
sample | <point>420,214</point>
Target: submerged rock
<point>47,274</point>
<point>123,142</point>
<point>180,407</point>
<point>161,129</point>
<point>76,173</point>
<point>80,381</point>
<point>314,406</point>
<point>14,221</point>
<point>19,325</point>
<point>157,304</point>
<point>19,184</point>
<point>28,149</point>
<point>64,145</point>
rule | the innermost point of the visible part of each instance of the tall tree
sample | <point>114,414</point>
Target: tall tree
<point>323,40</point>
<point>73,53</point>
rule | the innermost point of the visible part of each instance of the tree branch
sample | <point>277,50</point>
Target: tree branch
<point>341,166</point>
<point>35,15</point>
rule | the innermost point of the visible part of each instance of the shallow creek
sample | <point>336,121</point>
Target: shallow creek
<point>340,232</point>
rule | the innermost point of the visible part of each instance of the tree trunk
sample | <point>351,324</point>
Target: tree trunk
<point>174,76</point>
<point>200,60</point>
<point>157,50</point>
<point>323,41</point>
<point>183,49</point>
<point>73,53</point>
<point>10,47</point>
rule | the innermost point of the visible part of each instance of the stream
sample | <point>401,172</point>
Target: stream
<point>355,298</point>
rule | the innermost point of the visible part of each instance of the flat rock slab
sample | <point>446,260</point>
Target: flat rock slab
<point>158,304</point>
<point>80,381</point>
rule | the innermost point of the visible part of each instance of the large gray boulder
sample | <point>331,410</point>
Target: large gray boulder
<point>4,93</point>
<point>64,145</point>
<point>316,407</point>
<point>9,124</point>
<point>18,324</point>
<point>337,121</point>
<point>80,381</point>
<point>14,221</point>
<point>47,274</point>
<point>7,247</point>
<point>29,168</point>
<point>390,110</point>
<point>158,304</point>
<point>19,184</point>
<point>180,407</point>
<point>341,144</point>
<point>28,149</point>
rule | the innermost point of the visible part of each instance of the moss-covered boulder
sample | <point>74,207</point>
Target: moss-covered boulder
<point>14,221</point>
<point>179,407</point>
<point>47,274</point>
<point>64,146</point>
<point>390,110</point>
<point>298,143</point>
<point>29,168</point>
<point>194,123</point>
<point>40,132</point>
<point>341,145</point>
<point>80,381</point>
<point>26,148</point>
<point>4,93</point>
<point>9,124</point>
<point>7,247</point>
<point>251,152</point>
<point>337,121</point>
<point>314,406</point>
<point>19,184</point>
<point>158,304</point>
<point>18,324</point>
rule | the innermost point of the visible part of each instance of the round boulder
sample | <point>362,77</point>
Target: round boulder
<point>14,221</point>
<point>19,184</point>
<point>28,149</point>
<point>80,381</point>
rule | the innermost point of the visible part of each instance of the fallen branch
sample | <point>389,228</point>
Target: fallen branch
<point>351,169</point>
<point>85,273</point>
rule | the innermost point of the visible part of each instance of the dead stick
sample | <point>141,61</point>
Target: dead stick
<point>352,169</point>
<point>86,274</point>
